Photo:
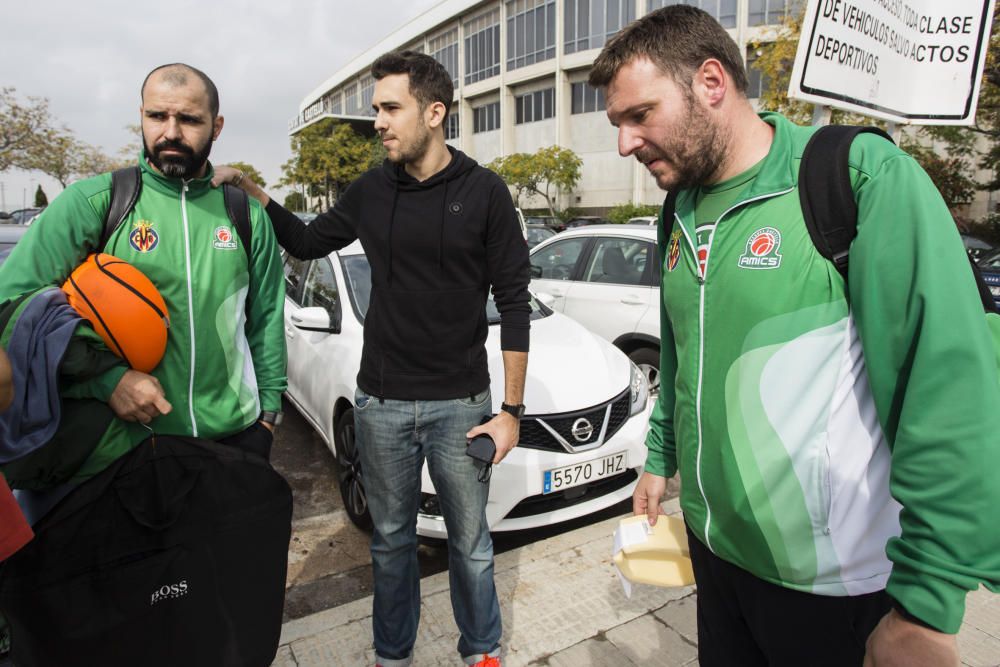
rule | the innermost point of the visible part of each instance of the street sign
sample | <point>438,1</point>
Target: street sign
<point>905,61</point>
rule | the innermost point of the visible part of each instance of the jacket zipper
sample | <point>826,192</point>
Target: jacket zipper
<point>187,261</point>
<point>702,277</point>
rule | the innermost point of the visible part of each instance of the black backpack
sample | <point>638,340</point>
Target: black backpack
<point>176,554</point>
<point>828,205</point>
<point>827,198</point>
<point>126,186</point>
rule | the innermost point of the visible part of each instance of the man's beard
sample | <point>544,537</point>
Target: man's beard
<point>185,165</point>
<point>697,156</point>
<point>415,150</point>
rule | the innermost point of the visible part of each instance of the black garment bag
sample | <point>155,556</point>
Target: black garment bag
<point>176,554</point>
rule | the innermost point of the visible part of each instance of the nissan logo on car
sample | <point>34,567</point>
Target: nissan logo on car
<point>582,430</point>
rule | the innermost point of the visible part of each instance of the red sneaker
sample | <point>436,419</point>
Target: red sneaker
<point>488,661</point>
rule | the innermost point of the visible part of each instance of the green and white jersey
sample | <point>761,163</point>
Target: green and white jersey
<point>225,354</point>
<point>791,398</point>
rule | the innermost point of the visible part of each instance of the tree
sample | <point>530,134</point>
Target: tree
<point>548,172</point>
<point>250,172</point>
<point>295,202</point>
<point>58,157</point>
<point>40,198</point>
<point>23,128</point>
<point>327,157</point>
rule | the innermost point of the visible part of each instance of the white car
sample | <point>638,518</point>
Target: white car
<point>642,220</point>
<point>582,440</point>
<point>607,277</point>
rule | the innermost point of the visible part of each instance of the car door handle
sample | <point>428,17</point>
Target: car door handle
<point>633,300</point>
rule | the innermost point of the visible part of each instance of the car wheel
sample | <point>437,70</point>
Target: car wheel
<point>648,361</point>
<point>351,478</point>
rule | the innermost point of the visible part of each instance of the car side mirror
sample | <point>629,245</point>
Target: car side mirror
<point>547,299</point>
<point>315,319</point>
<point>536,271</point>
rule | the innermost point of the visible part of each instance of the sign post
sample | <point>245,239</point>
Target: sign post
<point>904,61</point>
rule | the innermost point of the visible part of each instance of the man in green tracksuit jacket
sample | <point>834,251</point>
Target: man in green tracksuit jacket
<point>836,442</point>
<point>224,365</point>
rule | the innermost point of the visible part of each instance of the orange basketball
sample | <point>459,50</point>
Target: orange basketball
<point>123,306</point>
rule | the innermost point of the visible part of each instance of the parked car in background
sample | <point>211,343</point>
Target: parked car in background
<point>990,268</point>
<point>24,216</point>
<point>607,278</point>
<point>306,216</point>
<point>9,236</point>
<point>642,220</point>
<point>976,247</point>
<point>583,220</point>
<point>581,444</point>
<point>538,233</point>
<point>552,222</point>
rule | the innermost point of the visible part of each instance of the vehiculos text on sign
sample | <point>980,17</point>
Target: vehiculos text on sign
<point>910,61</point>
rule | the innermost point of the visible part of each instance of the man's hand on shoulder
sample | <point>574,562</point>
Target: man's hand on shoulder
<point>897,642</point>
<point>649,491</point>
<point>233,176</point>
<point>139,398</point>
<point>505,429</point>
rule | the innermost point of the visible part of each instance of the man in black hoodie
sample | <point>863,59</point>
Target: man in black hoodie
<point>439,231</point>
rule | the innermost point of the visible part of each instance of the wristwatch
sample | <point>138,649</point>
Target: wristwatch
<point>271,417</point>
<point>517,411</point>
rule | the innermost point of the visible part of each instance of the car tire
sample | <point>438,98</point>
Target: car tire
<point>648,361</point>
<point>350,476</point>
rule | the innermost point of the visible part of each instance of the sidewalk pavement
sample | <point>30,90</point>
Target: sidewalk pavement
<point>563,606</point>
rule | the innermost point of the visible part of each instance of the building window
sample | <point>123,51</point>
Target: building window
<point>486,118</point>
<point>531,32</point>
<point>444,49</point>
<point>769,12</point>
<point>724,11</point>
<point>758,83</point>
<point>451,124</point>
<point>589,23</point>
<point>351,99</point>
<point>336,103</point>
<point>367,93</point>
<point>538,105</point>
<point>482,47</point>
<point>586,98</point>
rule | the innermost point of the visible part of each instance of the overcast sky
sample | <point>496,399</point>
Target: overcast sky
<point>89,57</point>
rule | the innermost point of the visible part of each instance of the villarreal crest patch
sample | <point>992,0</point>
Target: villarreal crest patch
<point>674,251</point>
<point>143,237</point>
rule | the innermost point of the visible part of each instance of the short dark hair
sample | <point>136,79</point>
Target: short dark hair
<point>176,75</point>
<point>677,39</point>
<point>429,80</point>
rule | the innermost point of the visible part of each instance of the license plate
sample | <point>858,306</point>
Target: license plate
<point>558,479</point>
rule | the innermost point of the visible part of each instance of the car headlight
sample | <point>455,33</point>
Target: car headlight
<point>639,389</point>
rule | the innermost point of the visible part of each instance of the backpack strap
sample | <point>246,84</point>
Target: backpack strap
<point>238,208</point>
<point>669,208</point>
<point>126,184</point>
<point>825,192</point>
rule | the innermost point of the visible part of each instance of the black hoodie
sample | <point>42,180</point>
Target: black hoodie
<point>435,249</point>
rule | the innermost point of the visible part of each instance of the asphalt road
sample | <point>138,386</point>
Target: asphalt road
<point>328,559</point>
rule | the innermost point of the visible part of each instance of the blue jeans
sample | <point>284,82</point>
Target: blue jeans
<point>393,439</point>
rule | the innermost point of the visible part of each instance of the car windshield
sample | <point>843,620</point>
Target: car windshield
<point>538,234</point>
<point>359,286</point>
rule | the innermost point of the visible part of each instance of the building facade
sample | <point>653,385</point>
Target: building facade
<point>520,70</point>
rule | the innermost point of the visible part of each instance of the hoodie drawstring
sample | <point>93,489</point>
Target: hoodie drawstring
<point>444,209</point>
<point>392,219</point>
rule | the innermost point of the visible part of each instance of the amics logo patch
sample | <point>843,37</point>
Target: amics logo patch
<point>762,250</point>
<point>169,592</point>
<point>224,239</point>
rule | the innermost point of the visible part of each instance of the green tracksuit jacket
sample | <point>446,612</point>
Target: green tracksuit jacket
<point>832,439</point>
<point>225,355</point>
